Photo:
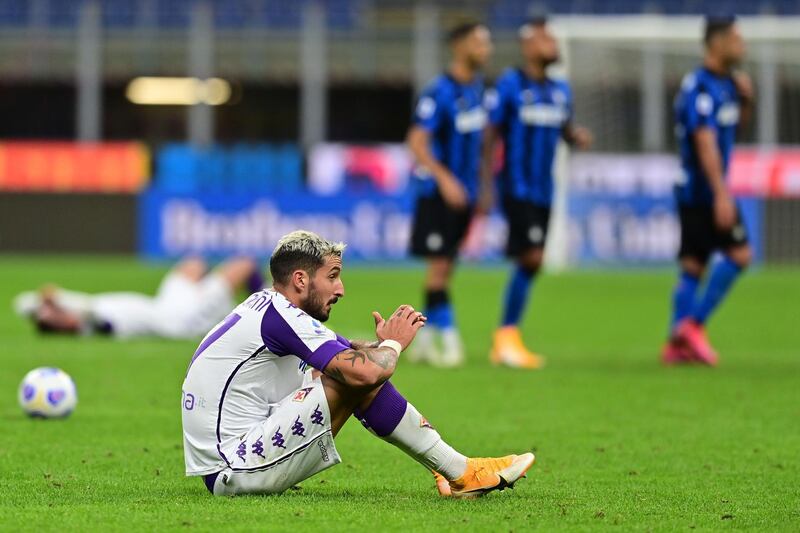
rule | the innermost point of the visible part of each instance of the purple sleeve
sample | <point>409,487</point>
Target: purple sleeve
<point>281,339</point>
<point>343,341</point>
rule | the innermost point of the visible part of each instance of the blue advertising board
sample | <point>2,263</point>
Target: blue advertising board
<point>619,211</point>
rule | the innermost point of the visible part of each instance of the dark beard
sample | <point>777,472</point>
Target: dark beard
<point>546,62</point>
<point>314,306</point>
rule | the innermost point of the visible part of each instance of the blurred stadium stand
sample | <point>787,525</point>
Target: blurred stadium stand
<point>348,14</point>
<point>364,60</point>
<point>183,168</point>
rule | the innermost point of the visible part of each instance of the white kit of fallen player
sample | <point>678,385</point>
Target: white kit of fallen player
<point>270,386</point>
<point>188,302</point>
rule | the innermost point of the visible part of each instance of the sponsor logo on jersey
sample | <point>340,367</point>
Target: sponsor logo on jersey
<point>728,114</point>
<point>548,115</point>
<point>300,395</point>
<point>472,120</point>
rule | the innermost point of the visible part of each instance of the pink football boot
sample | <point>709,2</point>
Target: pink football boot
<point>694,336</point>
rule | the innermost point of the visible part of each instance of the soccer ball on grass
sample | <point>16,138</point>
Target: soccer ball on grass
<point>47,392</point>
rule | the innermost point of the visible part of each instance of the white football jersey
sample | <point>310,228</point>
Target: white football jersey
<point>181,309</point>
<point>252,359</point>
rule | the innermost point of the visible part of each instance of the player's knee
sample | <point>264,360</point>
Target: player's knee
<point>741,255</point>
<point>530,262</point>
<point>439,272</point>
<point>693,266</point>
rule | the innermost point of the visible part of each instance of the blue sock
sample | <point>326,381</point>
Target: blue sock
<point>517,296</point>
<point>683,297</point>
<point>719,283</point>
<point>438,309</point>
<point>440,316</point>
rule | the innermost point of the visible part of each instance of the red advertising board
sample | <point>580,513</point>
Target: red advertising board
<point>73,167</point>
<point>766,172</point>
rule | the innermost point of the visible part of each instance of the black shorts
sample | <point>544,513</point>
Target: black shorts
<point>527,225</point>
<point>438,230</point>
<point>700,236</point>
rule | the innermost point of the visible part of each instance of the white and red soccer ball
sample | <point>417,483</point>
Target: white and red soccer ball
<point>47,392</point>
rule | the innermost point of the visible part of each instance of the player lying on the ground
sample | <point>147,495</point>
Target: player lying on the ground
<point>189,301</point>
<point>714,100</point>
<point>530,113</point>
<point>270,387</point>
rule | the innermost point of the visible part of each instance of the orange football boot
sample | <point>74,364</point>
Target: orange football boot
<point>508,350</point>
<point>485,474</point>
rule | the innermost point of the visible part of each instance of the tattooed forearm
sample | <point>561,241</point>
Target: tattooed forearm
<point>367,366</point>
<point>360,345</point>
<point>355,355</point>
<point>385,358</point>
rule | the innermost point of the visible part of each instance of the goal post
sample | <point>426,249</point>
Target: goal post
<point>625,70</point>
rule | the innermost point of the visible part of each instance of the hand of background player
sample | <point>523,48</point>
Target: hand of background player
<point>582,137</point>
<point>402,326</point>
<point>453,192</point>
<point>744,86</point>
<point>724,211</point>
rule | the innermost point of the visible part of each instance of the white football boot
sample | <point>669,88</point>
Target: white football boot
<point>424,348</point>
<point>452,354</point>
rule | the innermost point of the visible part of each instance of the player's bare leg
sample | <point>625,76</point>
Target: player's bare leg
<point>241,272</point>
<point>741,255</point>
<point>389,416</point>
<point>508,348</point>
<point>192,268</point>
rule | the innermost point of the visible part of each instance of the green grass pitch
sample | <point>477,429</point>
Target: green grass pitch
<point>619,439</point>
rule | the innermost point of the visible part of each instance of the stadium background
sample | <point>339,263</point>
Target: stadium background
<point>315,97</point>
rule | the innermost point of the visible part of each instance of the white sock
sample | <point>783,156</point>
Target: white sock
<point>416,437</point>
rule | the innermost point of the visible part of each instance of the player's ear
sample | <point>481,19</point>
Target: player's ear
<point>300,280</point>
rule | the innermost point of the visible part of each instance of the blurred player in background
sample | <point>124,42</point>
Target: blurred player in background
<point>445,139</point>
<point>714,100</point>
<point>189,301</point>
<point>270,387</point>
<point>530,112</point>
